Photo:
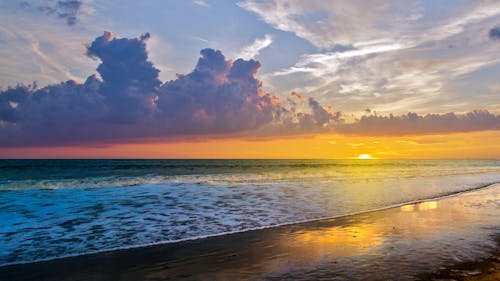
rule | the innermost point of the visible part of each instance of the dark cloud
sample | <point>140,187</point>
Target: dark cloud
<point>495,33</point>
<point>67,10</point>
<point>24,4</point>
<point>130,81</point>
<point>128,102</point>
<point>218,96</point>
<point>414,124</point>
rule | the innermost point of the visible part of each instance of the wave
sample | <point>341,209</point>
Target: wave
<point>225,179</point>
<point>433,198</point>
<point>79,183</point>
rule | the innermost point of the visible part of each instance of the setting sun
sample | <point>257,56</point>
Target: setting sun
<point>364,156</point>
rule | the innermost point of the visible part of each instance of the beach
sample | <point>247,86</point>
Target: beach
<point>426,239</point>
<point>487,269</point>
<point>249,140</point>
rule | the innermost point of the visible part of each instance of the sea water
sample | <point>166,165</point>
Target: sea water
<point>58,208</point>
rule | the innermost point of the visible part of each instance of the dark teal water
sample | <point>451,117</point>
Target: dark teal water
<point>55,208</point>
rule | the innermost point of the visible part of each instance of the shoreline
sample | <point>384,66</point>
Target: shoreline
<point>160,243</point>
<point>481,269</point>
<point>412,239</point>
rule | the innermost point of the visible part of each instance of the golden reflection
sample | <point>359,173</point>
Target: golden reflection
<point>430,205</point>
<point>408,208</point>
<point>341,241</point>
<point>368,234</point>
<point>423,206</point>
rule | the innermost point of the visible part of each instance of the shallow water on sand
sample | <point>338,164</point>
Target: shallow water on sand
<point>392,244</point>
<point>57,208</point>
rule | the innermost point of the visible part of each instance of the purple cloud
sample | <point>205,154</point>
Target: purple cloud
<point>414,124</point>
<point>67,10</point>
<point>128,101</point>
<point>219,96</point>
<point>130,81</point>
<point>495,33</point>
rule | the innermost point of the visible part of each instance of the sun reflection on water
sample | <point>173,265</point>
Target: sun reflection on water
<point>430,205</point>
<point>341,240</point>
<point>423,206</point>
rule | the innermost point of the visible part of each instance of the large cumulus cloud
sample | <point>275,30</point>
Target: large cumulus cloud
<point>128,101</point>
<point>218,96</point>
<point>130,81</point>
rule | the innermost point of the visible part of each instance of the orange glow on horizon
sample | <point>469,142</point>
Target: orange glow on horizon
<point>463,145</point>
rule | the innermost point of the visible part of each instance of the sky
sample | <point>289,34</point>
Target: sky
<point>249,79</point>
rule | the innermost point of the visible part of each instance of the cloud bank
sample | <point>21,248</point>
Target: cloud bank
<point>414,124</point>
<point>127,102</point>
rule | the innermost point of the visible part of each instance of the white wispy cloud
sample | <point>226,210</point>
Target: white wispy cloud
<point>280,15</point>
<point>327,23</point>
<point>395,57</point>
<point>49,49</point>
<point>320,64</point>
<point>253,50</point>
<point>202,3</point>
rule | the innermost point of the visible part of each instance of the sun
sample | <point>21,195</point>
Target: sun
<point>364,156</point>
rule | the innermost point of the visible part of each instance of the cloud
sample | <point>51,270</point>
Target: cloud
<point>321,64</point>
<point>253,50</point>
<point>129,102</point>
<point>221,96</point>
<point>44,50</point>
<point>129,79</point>
<point>67,10</point>
<point>116,105</point>
<point>397,56</point>
<point>391,79</point>
<point>328,23</point>
<point>414,124</point>
<point>25,4</point>
<point>202,3</point>
<point>495,33</point>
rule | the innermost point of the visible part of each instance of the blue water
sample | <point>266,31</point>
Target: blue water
<point>57,208</point>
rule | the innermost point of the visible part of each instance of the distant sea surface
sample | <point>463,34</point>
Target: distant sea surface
<point>58,208</point>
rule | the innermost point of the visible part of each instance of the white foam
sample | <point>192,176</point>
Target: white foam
<point>485,186</point>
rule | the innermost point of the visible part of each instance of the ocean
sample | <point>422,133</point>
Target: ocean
<point>59,208</point>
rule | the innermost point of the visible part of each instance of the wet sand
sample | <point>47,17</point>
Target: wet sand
<point>411,242</point>
<point>487,269</point>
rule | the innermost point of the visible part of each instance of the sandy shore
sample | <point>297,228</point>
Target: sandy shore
<point>438,239</point>
<point>483,269</point>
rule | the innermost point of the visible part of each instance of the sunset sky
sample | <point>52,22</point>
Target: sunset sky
<point>249,79</point>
